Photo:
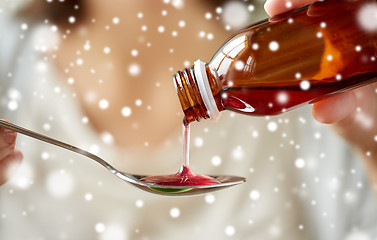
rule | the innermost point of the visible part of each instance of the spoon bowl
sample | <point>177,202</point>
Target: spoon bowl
<point>167,190</point>
<point>133,179</point>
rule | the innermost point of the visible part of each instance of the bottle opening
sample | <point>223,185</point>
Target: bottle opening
<point>205,90</point>
<point>195,92</point>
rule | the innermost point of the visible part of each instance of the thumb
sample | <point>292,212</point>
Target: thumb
<point>275,7</point>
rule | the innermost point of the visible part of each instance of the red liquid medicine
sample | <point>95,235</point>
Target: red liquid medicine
<point>184,177</point>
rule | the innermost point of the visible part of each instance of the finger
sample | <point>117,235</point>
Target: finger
<point>5,151</point>
<point>275,7</point>
<point>7,137</point>
<point>353,116</point>
<point>335,108</point>
<point>9,165</point>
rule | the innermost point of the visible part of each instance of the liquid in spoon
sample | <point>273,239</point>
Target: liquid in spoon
<point>185,177</point>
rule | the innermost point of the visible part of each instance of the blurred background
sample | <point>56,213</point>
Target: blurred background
<point>98,74</point>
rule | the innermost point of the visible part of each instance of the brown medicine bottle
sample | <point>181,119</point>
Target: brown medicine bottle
<point>284,62</point>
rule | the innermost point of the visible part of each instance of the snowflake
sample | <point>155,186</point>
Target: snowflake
<point>198,142</point>
<point>116,20</point>
<point>239,65</point>
<point>79,61</point>
<point>139,203</point>
<point>138,102</point>
<point>87,45</point>
<point>113,231</point>
<point>99,227</point>
<point>179,4</point>
<point>367,17</point>
<point>126,111</point>
<point>161,29</point>
<point>23,177</point>
<point>255,134</point>
<point>305,85</point>
<point>24,26</point>
<point>12,105</point>
<point>45,155</point>
<point>103,104</point>
<point>175,212</point>
<point>107,138</point>
<point>282,98</point>
<point>106,50</point>
<point>134,69</point>
<point>216,161</point>
<point>357,235</point>
<point>88,197</point>
<point>202,34</point>
<point>60,183</point>
<point>275,230</point>
<point>71,19</point>
<point>210,198</point>
<point>273,46</point>
<point>238,153</point>
<point>235,14</point>
<point>254,195</point>
<point>288,4</point>
<point>41,66</point>
<point>181,23</point>
<point>255,46</point>
<point>134,52</point>
<point>300,163</point>
<point>230,230</point>
<point>272,126</point>
<point>210,36</point>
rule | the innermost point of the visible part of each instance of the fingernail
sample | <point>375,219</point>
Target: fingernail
<point>9,136</point>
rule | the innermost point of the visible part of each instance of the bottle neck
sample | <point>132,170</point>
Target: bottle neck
<point>196,88</point>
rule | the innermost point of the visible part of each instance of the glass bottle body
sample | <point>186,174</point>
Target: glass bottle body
<point>284,62</point>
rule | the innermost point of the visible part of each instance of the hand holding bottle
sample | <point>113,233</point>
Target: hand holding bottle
<point>10,158</point>
<point>353,114</point>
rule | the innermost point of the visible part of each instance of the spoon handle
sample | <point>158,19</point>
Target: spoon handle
<point>55,142</point>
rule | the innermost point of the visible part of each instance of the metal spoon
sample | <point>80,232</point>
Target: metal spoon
<point>225,181</point>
